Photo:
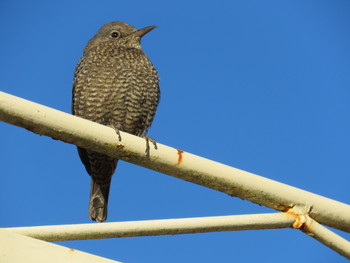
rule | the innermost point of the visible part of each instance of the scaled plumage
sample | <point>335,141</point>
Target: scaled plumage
<point>115,84</point>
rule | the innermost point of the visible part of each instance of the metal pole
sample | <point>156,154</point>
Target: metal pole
<point>171,161</point>
<point>157,227</point>
<point>327,237</point>
<point>21,249</point>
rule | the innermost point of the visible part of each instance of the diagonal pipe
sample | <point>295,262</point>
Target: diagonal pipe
<point>232,181</point>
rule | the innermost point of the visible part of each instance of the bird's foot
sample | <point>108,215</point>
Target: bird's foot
<point>116,130</point>
<point>118,133</point>
<point>153,141</point>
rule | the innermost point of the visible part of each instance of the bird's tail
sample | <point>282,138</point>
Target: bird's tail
<point>98,200</point>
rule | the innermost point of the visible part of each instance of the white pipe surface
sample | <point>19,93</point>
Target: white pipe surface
<point>171,161</point>
<point>157,227</point>
<point>16,248</point>
<point>327,237</point>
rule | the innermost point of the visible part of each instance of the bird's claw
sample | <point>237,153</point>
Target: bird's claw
<point>119,136</point>
<point>153,141</point>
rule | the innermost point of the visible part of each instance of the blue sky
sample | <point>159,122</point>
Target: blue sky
<point>259,85</point>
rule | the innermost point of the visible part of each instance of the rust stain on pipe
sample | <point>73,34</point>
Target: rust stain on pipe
<point>300,219</point>
<point>179,159</point>
<point>300,222</point>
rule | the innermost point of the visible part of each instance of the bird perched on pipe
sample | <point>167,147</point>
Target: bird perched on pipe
<point>115,84</point>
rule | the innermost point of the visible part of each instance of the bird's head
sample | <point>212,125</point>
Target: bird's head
<point>119,34</point>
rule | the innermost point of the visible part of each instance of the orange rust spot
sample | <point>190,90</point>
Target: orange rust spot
<point>299,222</point>
<point>71,249</point>
<point>179,159</point>
<point>300,219</point>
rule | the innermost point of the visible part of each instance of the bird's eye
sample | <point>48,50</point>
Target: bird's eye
<point>115,34</point>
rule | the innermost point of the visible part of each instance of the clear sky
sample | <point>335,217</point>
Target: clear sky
<point>259,85</point>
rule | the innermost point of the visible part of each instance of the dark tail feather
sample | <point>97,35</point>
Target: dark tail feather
<point>98,201</point>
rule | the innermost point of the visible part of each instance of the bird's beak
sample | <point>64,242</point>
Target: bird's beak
<point>143,31</point>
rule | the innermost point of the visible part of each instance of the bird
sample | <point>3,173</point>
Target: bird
<point>116,85</point>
